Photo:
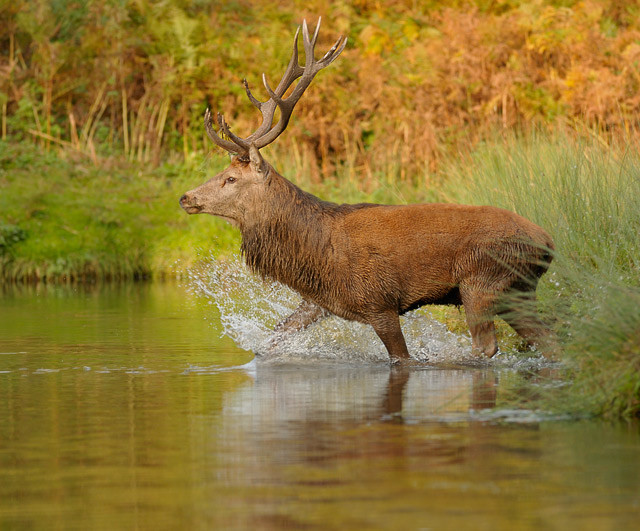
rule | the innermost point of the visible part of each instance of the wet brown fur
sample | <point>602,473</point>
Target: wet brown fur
<point>372,263</point>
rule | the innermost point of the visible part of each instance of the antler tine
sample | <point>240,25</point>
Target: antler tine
<point>293,71</point>
<point>334,52</point>
<point>309,45</point>
<point>251,97</point>
<point>315,33</point>
<point>211,133</point>
<point>241,142</point>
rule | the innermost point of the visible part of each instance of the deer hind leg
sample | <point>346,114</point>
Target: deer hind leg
<point>387,326</point>
<point>480,309</point>
<point>522,317</point>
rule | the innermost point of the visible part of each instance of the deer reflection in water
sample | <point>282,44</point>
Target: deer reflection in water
<point>295,413</point>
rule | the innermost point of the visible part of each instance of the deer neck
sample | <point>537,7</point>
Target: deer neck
<point>289,238</point>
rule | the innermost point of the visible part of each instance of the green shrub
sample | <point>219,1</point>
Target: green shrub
<point>9,236</point>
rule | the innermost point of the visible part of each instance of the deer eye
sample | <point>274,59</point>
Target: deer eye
<point>230,180</point>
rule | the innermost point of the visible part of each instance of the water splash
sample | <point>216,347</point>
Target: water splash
<point>250,307</point>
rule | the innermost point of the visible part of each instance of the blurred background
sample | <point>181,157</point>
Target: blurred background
<point>115,78</point>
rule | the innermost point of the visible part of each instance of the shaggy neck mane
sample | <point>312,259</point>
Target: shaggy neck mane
<point>288,239</point>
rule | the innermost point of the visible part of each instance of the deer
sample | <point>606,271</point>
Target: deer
<point>366,262</point>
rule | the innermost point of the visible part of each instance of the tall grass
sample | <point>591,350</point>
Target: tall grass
<point>588,197</point>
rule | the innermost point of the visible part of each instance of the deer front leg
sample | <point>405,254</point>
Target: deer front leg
<point>304,315</point>
<point>387,326</point>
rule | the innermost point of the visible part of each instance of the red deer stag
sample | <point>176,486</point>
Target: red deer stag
<point>365,262</point>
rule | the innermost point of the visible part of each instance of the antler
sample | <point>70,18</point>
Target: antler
<point>265,134</point>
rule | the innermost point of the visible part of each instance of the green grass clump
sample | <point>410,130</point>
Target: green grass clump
<point>604,349</point>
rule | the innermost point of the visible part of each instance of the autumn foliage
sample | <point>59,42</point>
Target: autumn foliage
<point>417,80</point>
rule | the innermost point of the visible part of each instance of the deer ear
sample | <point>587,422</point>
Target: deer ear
<point>258,164</point>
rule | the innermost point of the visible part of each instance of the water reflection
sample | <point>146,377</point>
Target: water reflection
<point>403,442</point>
<point>119,409</point>
<point>365,393</point>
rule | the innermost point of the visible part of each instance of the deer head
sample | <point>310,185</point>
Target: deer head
<point>233,192</point>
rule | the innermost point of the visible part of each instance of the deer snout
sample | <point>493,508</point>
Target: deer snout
<point>190,204</point>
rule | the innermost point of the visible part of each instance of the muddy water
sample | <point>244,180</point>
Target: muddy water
<point>123,407</point>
